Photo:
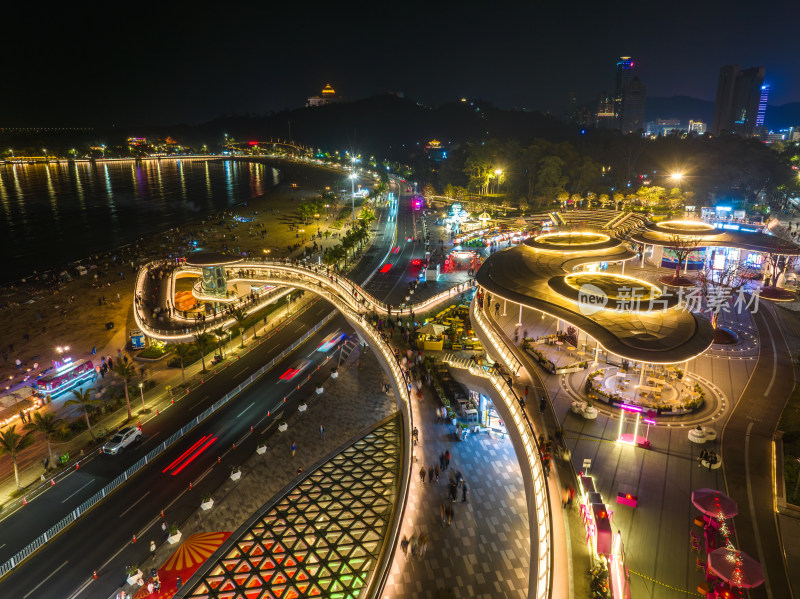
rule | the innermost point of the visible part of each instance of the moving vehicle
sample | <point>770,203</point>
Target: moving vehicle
<point>294,370</point>
<point>332,341</point>
<point>122,438</point>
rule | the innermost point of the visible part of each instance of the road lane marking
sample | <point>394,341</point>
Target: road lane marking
<point>774,359</point>
<point>197,404</point>
<point>759,548</point>
<point>53,573</point>
<point>252,403</point>
<point>76,492</point>
<point>134,504</point>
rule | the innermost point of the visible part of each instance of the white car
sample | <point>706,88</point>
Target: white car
<point>122,438</point>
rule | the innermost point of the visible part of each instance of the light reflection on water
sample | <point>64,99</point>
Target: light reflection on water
<point>54,213</point>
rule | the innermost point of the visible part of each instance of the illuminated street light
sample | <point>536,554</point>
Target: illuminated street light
<point>353,194</point>
<point>676,176</point>
<point>141,390</point>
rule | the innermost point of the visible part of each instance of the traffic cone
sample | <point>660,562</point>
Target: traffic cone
<point>24,501</point>
<point>251,428</point>
<point>134,539</point>
<point>77,465</point>
<point>157,412</point>
<point>173,400</point>
<point>267,412</point>
<point>190,485</point>
<point>284,399</point>
<point>94,574</point>
<point>219,459</point>
<point>234,445</point>
<point>162,513</point>
<point>140,425</point>
<point>52,483</point>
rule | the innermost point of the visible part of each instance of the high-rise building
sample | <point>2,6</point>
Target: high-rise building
<point>624,76</point>
<point>634,96</point>
<point>605,116</point>
<point>739,93</point>
<point>762,105</point>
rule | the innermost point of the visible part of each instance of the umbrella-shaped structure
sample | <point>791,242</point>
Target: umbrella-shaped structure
<point>714,503</point>
<point>484,216</point>
<point>735,567</point>
<point>432,329</point>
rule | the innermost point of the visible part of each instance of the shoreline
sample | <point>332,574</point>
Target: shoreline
<point>43,314</point>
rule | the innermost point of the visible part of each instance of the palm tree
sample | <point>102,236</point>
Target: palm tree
<point>47,424</point>
<point>240,317</point>
<point>11,443</point>
<point>181,351</point>
<point>201,341</point>
<point>126,372</point>
<point>219,333</point>
<point>85,400</point>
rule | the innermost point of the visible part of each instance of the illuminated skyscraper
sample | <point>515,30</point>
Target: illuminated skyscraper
<point>739,93</point>
<point>762,105</point>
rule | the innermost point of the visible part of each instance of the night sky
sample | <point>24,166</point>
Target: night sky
<point>159,63</point>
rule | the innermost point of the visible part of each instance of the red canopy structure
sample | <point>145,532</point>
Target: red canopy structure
<point>735,567</point>
<point>714,503</point>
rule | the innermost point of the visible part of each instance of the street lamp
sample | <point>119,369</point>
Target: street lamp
<point>141,390</point>
<point>353,194</point>
<point>499,173</point>
<point>676,177</point>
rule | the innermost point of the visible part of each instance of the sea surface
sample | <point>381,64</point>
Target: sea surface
<point>51,214</point>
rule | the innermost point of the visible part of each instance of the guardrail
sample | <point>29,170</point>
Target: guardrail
<point>45,537</point>
<point>498,345</point>
<point>544,519</point>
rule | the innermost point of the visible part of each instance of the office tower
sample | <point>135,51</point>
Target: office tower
<point>624,76</point>
<point>605,116</point>
<point>633,99</point>
<point>762,105</point>
<point>738,95</point>
<point>698,127</point>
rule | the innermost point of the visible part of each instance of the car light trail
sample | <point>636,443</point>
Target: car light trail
<point>386,267</point>
<point>185,453</point>
<point>198,447</point>
<point>195,454</point>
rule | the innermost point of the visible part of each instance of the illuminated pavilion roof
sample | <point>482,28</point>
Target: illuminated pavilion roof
<point>328,90</point>
<point>539,274</point>
<point>663,233</point>
<point>323,538</point>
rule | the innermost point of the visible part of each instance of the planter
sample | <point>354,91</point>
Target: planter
<point>206,505</point>
<point>590,413</point>
<point>320,389</point>
<point>136,579</point>
<point>282,427</point>
<point>577,407</point>
<point>334,375</point>
<point>236,475</point>
<point>261,450</point>
<point>302,407</point>
<point>174,538</point>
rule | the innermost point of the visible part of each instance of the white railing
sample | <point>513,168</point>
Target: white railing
<point>29,549</point>
<point>527,435</point>
<point>509,360</point>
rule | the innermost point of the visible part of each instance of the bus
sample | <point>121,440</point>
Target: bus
<point>57,383</point>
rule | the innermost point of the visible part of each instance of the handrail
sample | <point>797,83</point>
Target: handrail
<point>533,452</point>
<point>45,537</point>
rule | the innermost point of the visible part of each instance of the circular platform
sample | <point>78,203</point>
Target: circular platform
<point>211,259</point>
<point>610,291</point>
<point>686,227</point>
<point>572,241</point>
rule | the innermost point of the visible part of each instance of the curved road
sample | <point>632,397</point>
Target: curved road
<point>62,566</point>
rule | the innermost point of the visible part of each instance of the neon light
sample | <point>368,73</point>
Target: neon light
<point>648,421</point>
<point>630,408</point>
<point>197,453</point>
<point>203,438</point>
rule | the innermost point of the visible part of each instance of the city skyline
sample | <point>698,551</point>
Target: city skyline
<point>126,72</point>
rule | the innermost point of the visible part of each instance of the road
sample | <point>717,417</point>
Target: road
<point>747,455</point>
<point>93,542</point>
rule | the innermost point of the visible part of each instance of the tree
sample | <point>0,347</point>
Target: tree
<point>126,372</point>
<point>48,424</point>
<point>202,341</point>
<point>682,246</point>
<point>428,191</point>
<point>367,216</point>
<point>85,400</point>
<point>449,191</point>
<point>12,443</point>
<point>181,351</point>
<point>241,318</point>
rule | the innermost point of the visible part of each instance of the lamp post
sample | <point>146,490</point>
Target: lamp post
<point>141,390</point>
<point>499,173</point>
<point>353,195</point>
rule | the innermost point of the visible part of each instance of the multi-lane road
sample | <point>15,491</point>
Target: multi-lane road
<point>101,539</point>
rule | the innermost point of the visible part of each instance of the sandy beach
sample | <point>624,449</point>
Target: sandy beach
<point>42,315</point>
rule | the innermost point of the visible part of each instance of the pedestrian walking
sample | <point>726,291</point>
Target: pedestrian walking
<point>463,492</point>
<point>430,474</point>
<point>436,473</point>
<point>449,515</point>
<point>443,511</point>
<point>446,459</point>
<point>422,474</point>
<point>321,431</point>
<point>413,545</point>
<point>542,404</point>
<point>294,448</point>
<point>164,529</point>
<point>703,457</point>
<point>423,544</point>
<point>453,489</point>
<point>152,548</point>
<point>404,546</point>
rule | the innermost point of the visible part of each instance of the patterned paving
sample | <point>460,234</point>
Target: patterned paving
<point>485,551</point>
<point>324,538</point>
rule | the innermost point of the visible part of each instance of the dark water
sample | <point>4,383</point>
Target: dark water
<point>51,214</point>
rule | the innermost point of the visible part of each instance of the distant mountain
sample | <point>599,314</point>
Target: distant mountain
<point>684,108</point>
<point>374,124</point>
